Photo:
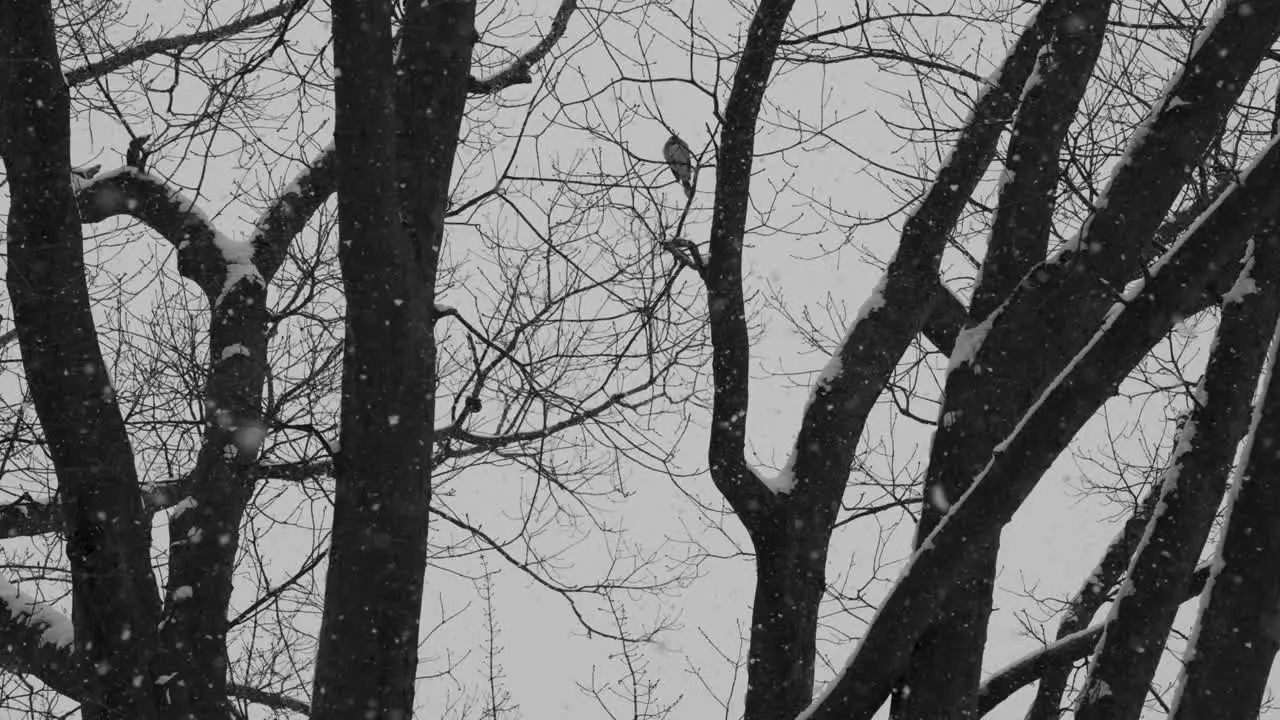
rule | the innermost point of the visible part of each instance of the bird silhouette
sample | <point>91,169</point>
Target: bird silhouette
<point>137,154</point>
<point>680,159</point>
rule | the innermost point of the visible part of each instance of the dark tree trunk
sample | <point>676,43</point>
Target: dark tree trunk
<point>1191,490</point>
<point>1058,309</point>
<point>1238,631</point>
<point>945,670</point>
<point>397,132</point>
<point>205,538</point>
<point>368,650</point>
<point>790,580</point>
<point>115,606</point>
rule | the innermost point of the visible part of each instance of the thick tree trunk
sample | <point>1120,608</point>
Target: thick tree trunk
<point>368,651</point>
<point>115,606</point>
<point>205,538</point>
<point>399,120</point>
<point>790,580</point>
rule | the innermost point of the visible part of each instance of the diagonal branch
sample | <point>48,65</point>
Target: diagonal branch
<point>176,43</point>
<point>1017,463</point>
<point>1063,651</point>
<point>517,73</point>
<point>1191,490</point>
<point>1081,608</point>
<point>901,305</point>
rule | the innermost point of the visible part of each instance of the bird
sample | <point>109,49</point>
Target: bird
<point>137,154</point>
<point>680,159</point>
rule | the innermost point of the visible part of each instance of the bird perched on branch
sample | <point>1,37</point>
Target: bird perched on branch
<point>680,159</point>
<point>137,154</point>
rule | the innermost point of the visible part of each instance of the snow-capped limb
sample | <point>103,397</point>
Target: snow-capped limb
<point>1191,491</point>
<point>1020,228</point>
<point>791,531</point>
<point>293,207</point>
<point>205,256</point>
<point>517,72</point>
<point>1016,464</point>
<point>177,43</point>
<point>37,639</point>
<point>29,516</point>
<point>1054,671</point>
<point>1056,307</point>
<point>55,628</point>
<point>1064,650</point>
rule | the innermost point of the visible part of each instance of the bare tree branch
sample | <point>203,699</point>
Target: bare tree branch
<point>518,71</point>
<point>173,44</point>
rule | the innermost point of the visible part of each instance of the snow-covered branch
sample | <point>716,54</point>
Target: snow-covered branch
<point>36,639</point>
<point>214,261</point>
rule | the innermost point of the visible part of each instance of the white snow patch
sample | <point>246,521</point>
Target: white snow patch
<point>231,351</point>
<point>969,342</point>
<point>238,254</point>
<point>183,593</point>
<point>57,626</point>
<point>183,506</point>
<point>1244,284</point>
<point>784,482</point>
<point>249,437</point>
<point>938,497</point>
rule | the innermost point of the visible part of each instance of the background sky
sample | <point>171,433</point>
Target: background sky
<point>832,150</point>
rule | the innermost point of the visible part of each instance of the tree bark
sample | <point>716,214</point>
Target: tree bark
<point>115,605</point>
<point>1238,630</point>
<point>945,670</point>
<point>1191,490</point>
<point>1058,308</point>
<point>367,657</point>
<point>397,132</point>
<point>1017,463</point>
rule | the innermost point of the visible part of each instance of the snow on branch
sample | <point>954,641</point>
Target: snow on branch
<point>216,262</point>
<point>55,628</point>
<point>292,209</point>
<point>38,640</point>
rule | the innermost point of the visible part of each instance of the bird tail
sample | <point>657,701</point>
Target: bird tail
<point>688,188</point>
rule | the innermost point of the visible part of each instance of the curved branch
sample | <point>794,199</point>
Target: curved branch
<point>169,45</point>
<point>292,209</point>
<point>212,260</point>
<point>731,350</point>
<point>517,73</point>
